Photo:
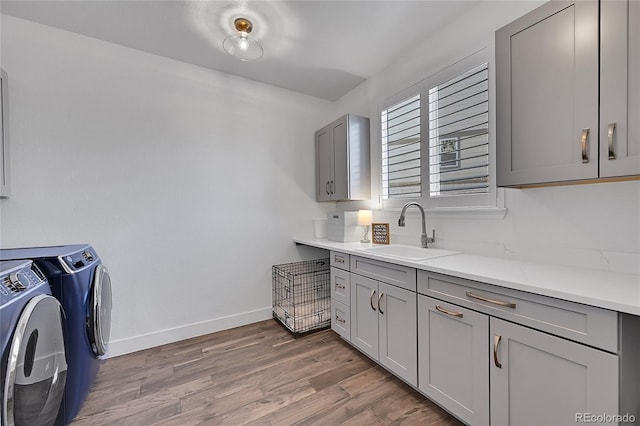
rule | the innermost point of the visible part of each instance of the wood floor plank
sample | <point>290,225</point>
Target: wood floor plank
<point>255,375</point>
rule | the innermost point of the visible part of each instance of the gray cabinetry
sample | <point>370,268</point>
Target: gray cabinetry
<point>547,95</point>
<point>5,176</point>
<point>384,318</point>
<point>340,295</point>
<point>453,351</point>
<point>342,160</point>
<point>550,73</point>
<point>515,358</point>
<point>538,379</point>
<point>620,88</point>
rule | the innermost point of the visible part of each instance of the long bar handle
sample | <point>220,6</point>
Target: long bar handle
<point>379,307</point>
<point>444,311</point>
<point>496,342</point>
<point>326,188</point>
<point>494,301</point>
<point>585,145</point>
<point>610,133</point>
<point>373,292</point>
<point>338,319</point>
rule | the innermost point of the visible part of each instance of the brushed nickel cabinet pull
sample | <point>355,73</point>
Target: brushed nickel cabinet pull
<point>379,307</point>
<point>495,302</point>
<point>338,285</point>
<point>339,259</point>
<point>444,311</point>
<point>373,292</point>
<point>585,148</point>
<point>496,342</point>
<point>338,319</point>
<point>610,133</point>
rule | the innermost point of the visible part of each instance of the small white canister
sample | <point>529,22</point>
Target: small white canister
<point>320,228</point>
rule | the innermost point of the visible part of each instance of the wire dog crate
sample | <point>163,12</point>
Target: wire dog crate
<point>302,295</point>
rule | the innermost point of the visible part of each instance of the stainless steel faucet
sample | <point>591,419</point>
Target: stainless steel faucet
<point>424,239</point>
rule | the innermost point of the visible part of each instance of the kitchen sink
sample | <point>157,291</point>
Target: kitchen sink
<point>401,251</point>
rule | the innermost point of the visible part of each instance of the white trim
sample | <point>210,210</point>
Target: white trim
<point>466,213</point>
<point>170,335</point>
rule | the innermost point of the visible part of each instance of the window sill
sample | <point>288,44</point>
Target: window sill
<point>489,213</point>
<point>467,213</point>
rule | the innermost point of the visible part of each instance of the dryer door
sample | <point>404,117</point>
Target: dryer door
<point>100,311</point>
<point>36,366</point>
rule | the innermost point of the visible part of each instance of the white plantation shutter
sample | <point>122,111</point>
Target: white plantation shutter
<point>401,154</point>
<point>458,135</point>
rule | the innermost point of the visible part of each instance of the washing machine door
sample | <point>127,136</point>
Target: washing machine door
<point>100,311</point>
<point>36,366</point>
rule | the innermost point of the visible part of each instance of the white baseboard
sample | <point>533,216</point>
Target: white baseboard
<point>162,337</point>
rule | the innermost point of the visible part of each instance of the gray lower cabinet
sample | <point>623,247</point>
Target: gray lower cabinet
<point>538,379</point>
<point>383,325</point>
<point>340,295</point>
<point>453,351</point>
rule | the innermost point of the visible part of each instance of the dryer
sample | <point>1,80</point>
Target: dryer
<point>82,284</point>
<point>33,363</point>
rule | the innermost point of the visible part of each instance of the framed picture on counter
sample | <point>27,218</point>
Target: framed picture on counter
<point>380,233</point>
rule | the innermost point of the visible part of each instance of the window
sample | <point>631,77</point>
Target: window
<point>458,134</point>
<point>435,140</point>
<point>401,161</point>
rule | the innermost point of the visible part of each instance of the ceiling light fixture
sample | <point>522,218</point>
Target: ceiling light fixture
<point>241,45</point>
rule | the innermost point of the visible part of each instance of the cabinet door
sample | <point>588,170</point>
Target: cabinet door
<point>453,355</point>
<point>324,159</point>
<point>340,180</point>
<point>364,315</point>
<point>539,379</point>
<point>547,95</point>
<point>620,88</point>
<point>397,328</point>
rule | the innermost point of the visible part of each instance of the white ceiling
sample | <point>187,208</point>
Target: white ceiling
<point>320,48</point>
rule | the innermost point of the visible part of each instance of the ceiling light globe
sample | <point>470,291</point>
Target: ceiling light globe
<point>243,48</point>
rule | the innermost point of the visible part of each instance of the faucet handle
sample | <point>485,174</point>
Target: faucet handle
<point>432,239</point>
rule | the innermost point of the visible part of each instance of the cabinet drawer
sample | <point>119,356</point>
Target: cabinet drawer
<point>340,284</point>
<point>340,260</point>
<point>341,319</point>
<point>401,276</point>
<point>586,324</point>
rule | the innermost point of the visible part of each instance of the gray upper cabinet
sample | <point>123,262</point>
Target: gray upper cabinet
<point>620,88</point>
<point>5,177</point>
<point>547,88</point>
<point>343,171</point>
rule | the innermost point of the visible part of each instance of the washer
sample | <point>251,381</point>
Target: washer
<point>34,367</point>
<point>81,283</point>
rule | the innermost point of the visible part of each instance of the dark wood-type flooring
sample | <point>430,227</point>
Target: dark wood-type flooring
<point>257,374</point>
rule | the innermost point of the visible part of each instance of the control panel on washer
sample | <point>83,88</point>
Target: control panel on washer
<point>17,277</point>
<point>79,260</point>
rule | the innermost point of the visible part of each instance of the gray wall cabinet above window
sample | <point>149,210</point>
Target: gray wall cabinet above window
<point>343,171</point>
<point>547,87</point>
